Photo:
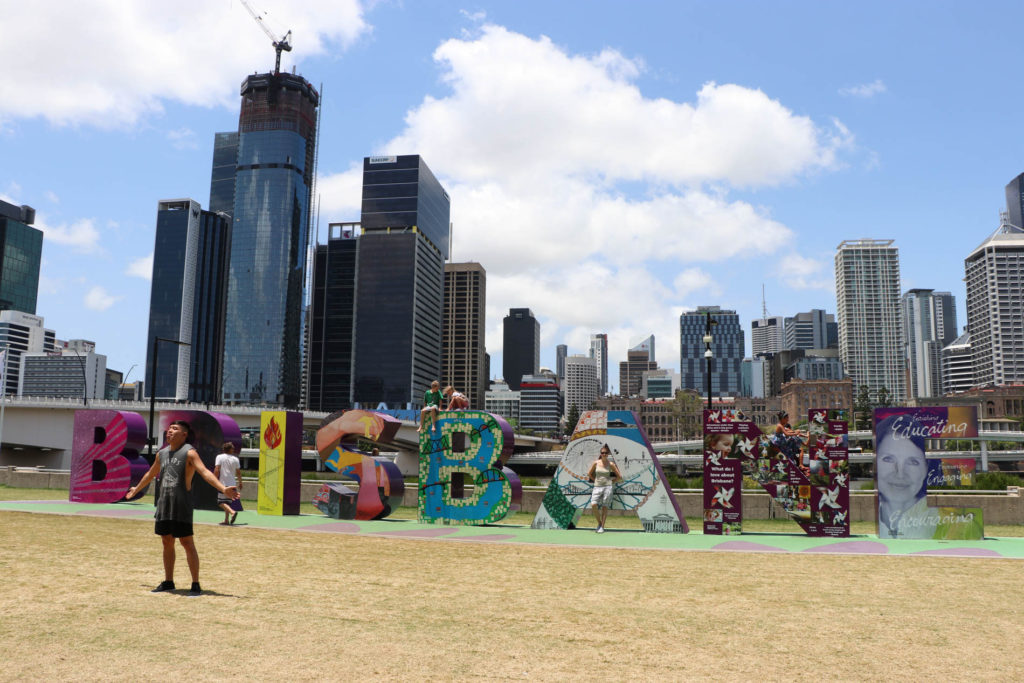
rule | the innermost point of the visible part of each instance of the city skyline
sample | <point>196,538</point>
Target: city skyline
<point>796,154</point>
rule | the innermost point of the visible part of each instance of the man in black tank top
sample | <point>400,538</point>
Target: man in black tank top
<point>179,462</point>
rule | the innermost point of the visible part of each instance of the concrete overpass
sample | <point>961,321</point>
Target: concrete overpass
<point>38,432</point>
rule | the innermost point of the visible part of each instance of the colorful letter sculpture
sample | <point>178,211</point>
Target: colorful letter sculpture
<point>280,482</point>
<point>643,488</point>
<point>209,433</point>
<point>475,445</point>
<point>816,496</point>
<point>903,472</point>
<point>381,486</point>
<point>105,460</point>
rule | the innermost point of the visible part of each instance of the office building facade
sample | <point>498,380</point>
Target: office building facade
<point>500,400</point>
<point>957,365</point>
<point>871,343</point>
<point>599,352</point>
<point>929,324</point>
<point>270,236</point>
<point>399,282</point>
<point>187,302</point>
<point>463,361</point>
<point>581,384</point>
<point>728,347</point>
<point>561,352</point>
<point>520,346</point>
<point>332,320</point>
<point>22,253</point>
<point>73,370</point>
<point>768,335</point>
<point>995,301</point>
<point>639,360</point>
<point>21,333</point>
<point>539,404</point>
<point>814,329</point>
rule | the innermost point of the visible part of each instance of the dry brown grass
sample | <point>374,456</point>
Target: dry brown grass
<point>75,604</point>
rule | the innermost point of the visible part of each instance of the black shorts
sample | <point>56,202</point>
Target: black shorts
<point>171,527</point>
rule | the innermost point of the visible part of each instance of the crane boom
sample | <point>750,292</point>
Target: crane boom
<point>280,44</point>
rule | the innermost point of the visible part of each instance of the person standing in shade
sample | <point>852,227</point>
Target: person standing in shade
<point>177,463</point>
<point>431,404</point>
<point>226,470</point>
<point>603,472</point>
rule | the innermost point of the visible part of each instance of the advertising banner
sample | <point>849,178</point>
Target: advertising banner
<point>902,473</point>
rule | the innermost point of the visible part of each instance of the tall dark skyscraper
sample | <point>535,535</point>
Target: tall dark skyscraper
<point>399,281</point>
<point>273,181</point>
<point>463,364</point>
<point>222,176</point>
<point>332,318</point>
<point>1015,201</point>
<point>187,301</point>
<point>22,247</point>
<point>520,346</point>
<point>727,346</point>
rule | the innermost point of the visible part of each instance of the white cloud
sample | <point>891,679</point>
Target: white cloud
<point>182,138</point>
<point>98,299</point>
<point>108,62</point>
<point>801,272</point>
<point>543,153</point>
<point>864,90</point>
<point>142,268</point>
<point>80,235</point>
<point>52,197</point>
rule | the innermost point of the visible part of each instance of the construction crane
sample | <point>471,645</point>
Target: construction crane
<point>278,43</point>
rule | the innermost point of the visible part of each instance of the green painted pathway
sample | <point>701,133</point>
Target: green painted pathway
<point>502,533</point>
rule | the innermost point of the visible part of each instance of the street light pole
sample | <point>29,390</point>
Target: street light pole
<point>152,387</point>
<point>125,380</point>
<point>85,380</point>
<point>708,354</point>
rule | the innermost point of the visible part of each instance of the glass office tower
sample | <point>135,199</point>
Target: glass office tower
<point>728,347</point>
<point>332,318</point>
<point>399,281</point>
<point>22,247</point>
<point>520,346</point>
<point>274,173</point>
<point>187,301</point>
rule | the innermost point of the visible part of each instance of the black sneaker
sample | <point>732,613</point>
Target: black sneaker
<point>164,586</point>
<point>195,590</point>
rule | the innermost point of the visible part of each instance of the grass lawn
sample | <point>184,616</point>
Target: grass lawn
<point>279,605</point>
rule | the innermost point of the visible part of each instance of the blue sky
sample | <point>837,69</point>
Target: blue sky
<point>610,164</point>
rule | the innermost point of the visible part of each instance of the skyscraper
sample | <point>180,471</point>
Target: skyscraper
<point>399,281</point>
<point>1015,202</point>
<point>957,365</point>
<point>767,335</point>
<point>599,352</point>
<point>995,301</point>
<point>868,311</point>
<point>520,346</point>
<point>728,347</point>
<point>332,320</point>
<point>561,352</point>
<point>222,174</point>
<point>186,303</point>
<point>639,360</point>
<point>814,329</point>
<point>462,340</point>
<point>580,385</point>
<point>22,333</point>
<point>22,252</point>
<point>273,181</point>
<point>929,324</point>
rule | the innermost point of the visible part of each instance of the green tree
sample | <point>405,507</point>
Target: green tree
<point>884,399</point>
<point>572,419</point>
<point>862,407</point>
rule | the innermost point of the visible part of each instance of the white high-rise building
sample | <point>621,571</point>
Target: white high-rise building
<point>929,324</point>
<point>599,352</point>
<point>21,333</point>
<point>995,306</point>
<point>767,335</point>
<point>868,312</point>
<point>957,365</point>
<point>74,370</point>
<point>582,384</point>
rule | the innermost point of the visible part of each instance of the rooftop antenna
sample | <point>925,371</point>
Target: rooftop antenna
<point>279,44</point>
<point>764,305</point>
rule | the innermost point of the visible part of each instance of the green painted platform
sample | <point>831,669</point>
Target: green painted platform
<point>1011,548</point>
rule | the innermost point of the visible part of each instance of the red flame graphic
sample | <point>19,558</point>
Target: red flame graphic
<point>272,435</point>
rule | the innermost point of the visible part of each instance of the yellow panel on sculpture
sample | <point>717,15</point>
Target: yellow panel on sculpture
<point>272,462</point>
